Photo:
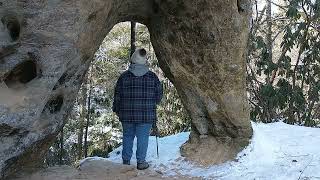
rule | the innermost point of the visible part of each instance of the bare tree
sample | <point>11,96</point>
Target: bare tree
<point>133,37</point>
<point>88,114</point>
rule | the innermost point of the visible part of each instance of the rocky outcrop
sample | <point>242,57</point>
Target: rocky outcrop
<point>201,47</point>
<point>46,48</point>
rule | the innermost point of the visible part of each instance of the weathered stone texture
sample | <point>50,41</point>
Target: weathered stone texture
<point>201,46</point>
<point>46,48</point>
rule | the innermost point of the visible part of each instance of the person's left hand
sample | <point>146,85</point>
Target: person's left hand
<point>154,130</point>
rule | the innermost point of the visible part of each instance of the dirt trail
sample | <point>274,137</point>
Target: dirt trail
<point>98,170</point>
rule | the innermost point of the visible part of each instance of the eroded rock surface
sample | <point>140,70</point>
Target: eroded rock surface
<point>46,48</point>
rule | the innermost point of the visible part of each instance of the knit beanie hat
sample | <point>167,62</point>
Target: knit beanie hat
<point>139,56</point>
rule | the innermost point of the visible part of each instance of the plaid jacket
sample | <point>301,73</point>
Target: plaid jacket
<point>136,97</point>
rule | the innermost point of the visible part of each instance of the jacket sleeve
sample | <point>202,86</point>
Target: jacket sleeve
<point>159,91</point>
<point>116,98</point>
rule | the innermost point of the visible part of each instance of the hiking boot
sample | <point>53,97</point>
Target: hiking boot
<point>142,165</point>
<point>126,162</point>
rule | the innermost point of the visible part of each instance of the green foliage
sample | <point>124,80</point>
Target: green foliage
<point>100,153</point>
<point>121,53</point>
<point>287,84</point>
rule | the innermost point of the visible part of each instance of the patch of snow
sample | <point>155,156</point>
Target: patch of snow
<point>95,158</point>
<point>169,150</point>
<point>277,151</point>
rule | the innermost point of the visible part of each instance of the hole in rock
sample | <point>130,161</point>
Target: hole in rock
<point>21,74</point>
<point>93,106</point>
<point>13,25</point>
<point>6,130</point>
<point>54,104</point>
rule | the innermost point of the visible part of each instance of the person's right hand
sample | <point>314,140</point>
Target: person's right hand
<point>154,130</point>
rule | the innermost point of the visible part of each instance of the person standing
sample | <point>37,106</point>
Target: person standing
<point>137,93</point>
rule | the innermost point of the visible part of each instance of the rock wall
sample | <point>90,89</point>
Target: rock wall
<point>46,48</point>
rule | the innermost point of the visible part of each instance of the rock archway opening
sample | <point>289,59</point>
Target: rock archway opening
<point>115,50</point>
<point>104,129</point>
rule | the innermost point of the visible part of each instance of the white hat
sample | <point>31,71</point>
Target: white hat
<point>139,56</point>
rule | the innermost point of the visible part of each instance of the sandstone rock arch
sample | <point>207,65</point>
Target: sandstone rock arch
<point>46,48</point>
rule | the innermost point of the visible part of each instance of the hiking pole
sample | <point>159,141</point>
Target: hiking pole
<point>157,134</point>
<point>157,146</point>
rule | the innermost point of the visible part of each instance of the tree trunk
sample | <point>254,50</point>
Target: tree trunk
<point>88,117</point>
<point>133,37</point>
<point>269,110</point>
<point>61,148</point>
<point>269,33</point>
<point>82,104</point>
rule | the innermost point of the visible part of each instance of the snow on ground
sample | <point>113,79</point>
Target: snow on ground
<point>278,151</point>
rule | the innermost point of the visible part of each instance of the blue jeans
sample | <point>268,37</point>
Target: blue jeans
<point>141,131</point>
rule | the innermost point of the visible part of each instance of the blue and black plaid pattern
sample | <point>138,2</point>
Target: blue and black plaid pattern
<point>136,97</point>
